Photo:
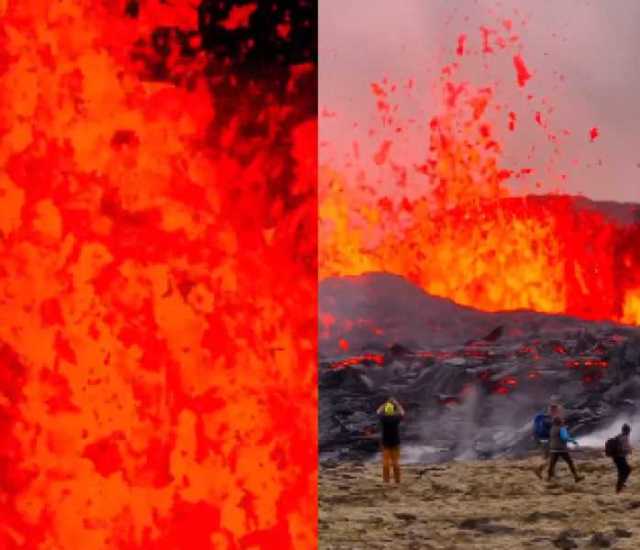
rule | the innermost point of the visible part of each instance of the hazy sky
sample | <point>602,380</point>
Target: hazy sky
<point>584,56</point>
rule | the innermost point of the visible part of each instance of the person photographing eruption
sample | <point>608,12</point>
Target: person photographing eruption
<point>390,414</point>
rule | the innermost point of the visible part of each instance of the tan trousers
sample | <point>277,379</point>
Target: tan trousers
<point>390,459</point>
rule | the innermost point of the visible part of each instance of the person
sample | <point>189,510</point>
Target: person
<point>541,432</point>
<point>559,437</point>
<point>556,409</point>
<point>390,414</point>
<point>623,449</point>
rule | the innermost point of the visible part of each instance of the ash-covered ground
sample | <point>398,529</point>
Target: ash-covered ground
<point>470,381</point>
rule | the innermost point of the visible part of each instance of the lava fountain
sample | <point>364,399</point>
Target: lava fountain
<point>462,233</point>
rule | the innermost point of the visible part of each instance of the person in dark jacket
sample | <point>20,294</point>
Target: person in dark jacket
<point>558,440</point>
<point>390,414</point>
<point>620,457</point>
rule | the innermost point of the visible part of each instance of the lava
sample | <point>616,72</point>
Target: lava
<point>462,234</point>
<point>461,41</point>
<point>521,70</point>
<point>367,358</point>
<point>157,373</point>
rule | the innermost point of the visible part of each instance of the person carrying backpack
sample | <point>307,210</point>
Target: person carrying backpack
<point>618,448</point>
<point>390,414</point>
<point>559,437</point>
<point>542,429</point>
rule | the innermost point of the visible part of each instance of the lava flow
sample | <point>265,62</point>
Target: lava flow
<point>157,237</point>
<point>465,236</point>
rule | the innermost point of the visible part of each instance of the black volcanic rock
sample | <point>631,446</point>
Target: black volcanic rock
<point>377,310</point>
<point>494,335</point>
<point>471,388</point>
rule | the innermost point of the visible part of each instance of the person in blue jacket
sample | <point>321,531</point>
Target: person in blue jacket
<point>558,448</point>
<point>555,409</point>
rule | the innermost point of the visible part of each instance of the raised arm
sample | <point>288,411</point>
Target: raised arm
<point>398,406</point>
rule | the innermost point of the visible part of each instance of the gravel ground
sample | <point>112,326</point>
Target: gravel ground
<point>492,505</point>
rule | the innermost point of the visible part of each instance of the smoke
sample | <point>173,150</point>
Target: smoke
<point>482,426</point>
<point>477,442</point>
<point>485,426</point>
<point>597,439</point>
<point>489,426</point>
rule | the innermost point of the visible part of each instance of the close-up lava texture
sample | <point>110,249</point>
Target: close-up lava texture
<point>157,240</point>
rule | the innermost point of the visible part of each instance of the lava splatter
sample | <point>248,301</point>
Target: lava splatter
<point>462,234</point>
<point>522,72</point>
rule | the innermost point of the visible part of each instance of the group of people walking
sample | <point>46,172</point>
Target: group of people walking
<point>553,438</point>
<point>549,430</point>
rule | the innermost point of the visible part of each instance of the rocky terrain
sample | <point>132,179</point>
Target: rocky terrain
<point>472,382</point>
<point>374,310</point>
<point>488,505</point>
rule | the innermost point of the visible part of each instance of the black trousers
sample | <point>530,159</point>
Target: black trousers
<point>623,470</point>
<point>564,455</point>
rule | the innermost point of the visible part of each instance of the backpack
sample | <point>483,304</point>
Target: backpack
<point>612,447</point>
<point>542,426</point>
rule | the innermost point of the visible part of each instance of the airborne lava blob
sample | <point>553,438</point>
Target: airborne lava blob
<point>463,235</point>
<point>157,237</point>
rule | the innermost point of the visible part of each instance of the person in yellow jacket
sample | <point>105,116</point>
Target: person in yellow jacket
<point>390,414</point>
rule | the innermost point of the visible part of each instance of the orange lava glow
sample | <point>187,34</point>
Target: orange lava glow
<point>631,311</point>
<point>464,236</point>
<point>157,373</point>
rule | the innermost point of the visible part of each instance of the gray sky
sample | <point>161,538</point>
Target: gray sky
<point>584,56</point>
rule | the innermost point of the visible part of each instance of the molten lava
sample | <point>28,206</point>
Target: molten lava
<point>464,236</point>
<point>157,238</point>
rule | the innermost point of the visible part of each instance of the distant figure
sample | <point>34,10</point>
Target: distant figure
<point>542,423</point>
<point>390,414</point>
<point>618,448</point>
<point>558,439</point>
